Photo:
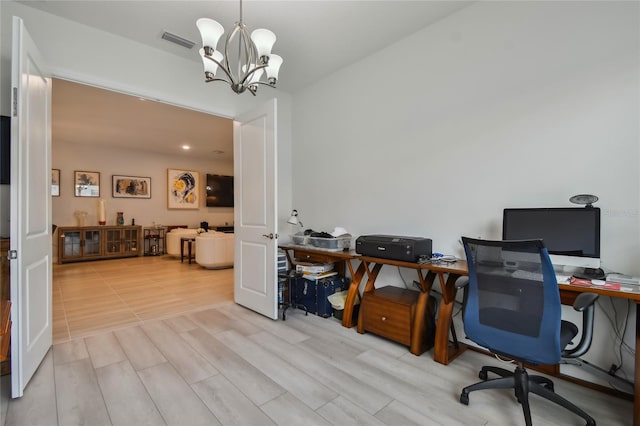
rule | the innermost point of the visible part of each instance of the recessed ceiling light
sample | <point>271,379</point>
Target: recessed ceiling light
<point>186,147</point>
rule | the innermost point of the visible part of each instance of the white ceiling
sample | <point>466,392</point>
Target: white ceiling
<point>89,115</point>
<point>315,39</point>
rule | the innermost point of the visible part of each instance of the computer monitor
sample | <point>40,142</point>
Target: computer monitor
<point>571,235</point>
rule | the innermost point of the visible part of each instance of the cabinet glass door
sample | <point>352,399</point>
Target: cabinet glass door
<point>72,244</point>
<point>113,241</point>
<point>130,239</point>
<point>92,243</point>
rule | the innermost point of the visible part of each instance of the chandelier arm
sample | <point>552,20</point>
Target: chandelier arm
<point>220,66</point>
<point>264,83</point>
<point>249,74</point>
<point>230,36</point>
<point>216,79</point>
<point>246,54</point>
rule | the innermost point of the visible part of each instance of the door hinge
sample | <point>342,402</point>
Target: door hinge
<point>15,101</point>
<point>12,254</point>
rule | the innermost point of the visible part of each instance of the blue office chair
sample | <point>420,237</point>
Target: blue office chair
<point>512,308</point>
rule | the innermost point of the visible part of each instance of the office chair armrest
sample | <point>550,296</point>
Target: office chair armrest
<point>584,300</point>
<point>462,282</point>
<point>584,303</point>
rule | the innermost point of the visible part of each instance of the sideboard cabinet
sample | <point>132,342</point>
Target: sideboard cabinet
<point>81,243</point>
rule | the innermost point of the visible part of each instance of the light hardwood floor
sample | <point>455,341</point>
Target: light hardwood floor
<point>185,354</point>
<point>91,297</point>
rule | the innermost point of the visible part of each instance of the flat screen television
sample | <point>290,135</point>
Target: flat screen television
<point>219,191</point>
<point>571,235</point>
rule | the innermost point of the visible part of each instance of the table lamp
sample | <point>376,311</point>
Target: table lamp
<point>294,218</point>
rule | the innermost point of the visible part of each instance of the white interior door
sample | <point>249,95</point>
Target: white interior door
<point>31,333</point>
<point>255,210</point>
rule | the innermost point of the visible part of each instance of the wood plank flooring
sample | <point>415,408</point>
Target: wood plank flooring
<point>194,357</point>
<point>91,297</point>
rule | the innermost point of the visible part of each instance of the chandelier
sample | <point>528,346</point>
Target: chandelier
<point>246,59</point>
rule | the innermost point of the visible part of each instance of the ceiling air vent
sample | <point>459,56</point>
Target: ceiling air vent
<point>178,40</point>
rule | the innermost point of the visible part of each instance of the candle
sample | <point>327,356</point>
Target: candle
<point>102,217</point>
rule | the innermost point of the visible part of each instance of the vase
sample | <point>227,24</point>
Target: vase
<point>120,220</point>
<point>80,216</point>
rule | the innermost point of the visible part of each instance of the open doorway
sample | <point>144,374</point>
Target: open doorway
<point>113,134</point>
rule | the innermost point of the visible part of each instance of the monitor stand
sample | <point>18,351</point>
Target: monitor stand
<point>591,274</point>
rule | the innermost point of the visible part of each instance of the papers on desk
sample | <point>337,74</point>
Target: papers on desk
<point>316,277</point>
<point>581,282</point>
<point>623,279</point>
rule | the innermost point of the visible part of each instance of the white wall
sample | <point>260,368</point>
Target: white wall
<point>503,104</point>
<point>69,157</point>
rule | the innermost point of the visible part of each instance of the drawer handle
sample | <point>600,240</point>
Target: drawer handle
<point>384,318</point>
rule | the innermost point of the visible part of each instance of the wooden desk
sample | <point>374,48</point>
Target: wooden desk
<point>447,274</point>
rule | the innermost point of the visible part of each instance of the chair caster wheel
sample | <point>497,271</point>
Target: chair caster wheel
<point>464,398</point>
<point>483,375</point>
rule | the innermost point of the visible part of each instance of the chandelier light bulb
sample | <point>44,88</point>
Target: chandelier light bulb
<point>210,67</point>
<point>273,68</point>
<point>264,41</point>
<point>210,31</point>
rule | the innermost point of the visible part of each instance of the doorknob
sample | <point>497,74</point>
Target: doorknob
<point>270,236</point>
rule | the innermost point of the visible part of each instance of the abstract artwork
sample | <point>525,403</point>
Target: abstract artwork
<point>130,187</point>
<point>183,189</point>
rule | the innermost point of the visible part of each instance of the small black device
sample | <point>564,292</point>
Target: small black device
<point>407,249</point>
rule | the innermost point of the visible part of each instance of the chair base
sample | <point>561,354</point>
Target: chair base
<point>523,384</point>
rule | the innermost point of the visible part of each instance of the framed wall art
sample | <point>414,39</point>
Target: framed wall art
<point>183,189</point>
<point>86,184</point>
<point>55,182</point>
<point>130,186</point>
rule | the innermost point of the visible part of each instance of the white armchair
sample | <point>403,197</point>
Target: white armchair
<point>215,250</point>
<point>173,239</point>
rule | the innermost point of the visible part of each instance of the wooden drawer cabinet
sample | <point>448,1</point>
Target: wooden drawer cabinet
<point>313,257</point>
<point>389,312</point>
<point>392,312</point>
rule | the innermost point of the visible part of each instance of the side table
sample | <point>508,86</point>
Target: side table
<point>189,241</point>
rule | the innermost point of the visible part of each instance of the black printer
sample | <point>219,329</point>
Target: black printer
<point>408,249</point>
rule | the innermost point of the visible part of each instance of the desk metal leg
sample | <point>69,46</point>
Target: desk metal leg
<point>189,246</point>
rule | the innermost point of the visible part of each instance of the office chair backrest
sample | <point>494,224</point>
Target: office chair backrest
<point>513,303</point>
